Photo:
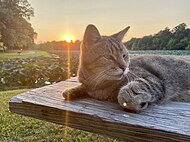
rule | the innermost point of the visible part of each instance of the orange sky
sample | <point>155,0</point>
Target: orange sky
<point>56,18</point>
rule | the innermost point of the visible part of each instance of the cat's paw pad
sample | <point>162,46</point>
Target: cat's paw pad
<point>133,104</point>
<point>131,98</point>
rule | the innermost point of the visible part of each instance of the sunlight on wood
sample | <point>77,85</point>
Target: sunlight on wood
<point>159,123</point>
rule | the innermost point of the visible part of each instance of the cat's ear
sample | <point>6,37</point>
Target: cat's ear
<point>91,35</point>
<point>120,35</point>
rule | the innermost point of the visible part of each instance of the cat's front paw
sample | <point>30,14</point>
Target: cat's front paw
<point>66,94</point>
<point>74,93</point>
<point>132,98</point>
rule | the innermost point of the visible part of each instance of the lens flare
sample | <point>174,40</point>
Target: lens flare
<point>69,84</point>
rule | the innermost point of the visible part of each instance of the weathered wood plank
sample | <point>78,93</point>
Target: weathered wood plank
<point>168,122</point>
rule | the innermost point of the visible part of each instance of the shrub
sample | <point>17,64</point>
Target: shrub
<point>34,72</point>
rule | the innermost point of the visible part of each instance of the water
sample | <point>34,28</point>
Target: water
<point>162,52</point>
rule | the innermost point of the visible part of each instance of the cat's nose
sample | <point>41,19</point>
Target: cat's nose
<point>123,68</point>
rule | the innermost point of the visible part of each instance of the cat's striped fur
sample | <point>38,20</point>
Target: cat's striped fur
<point>107,73</point>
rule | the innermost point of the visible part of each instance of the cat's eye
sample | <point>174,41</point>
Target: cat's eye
<point>109,57</point>
<point>124,55</point>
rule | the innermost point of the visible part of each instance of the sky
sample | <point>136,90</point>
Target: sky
<point>55,19</point>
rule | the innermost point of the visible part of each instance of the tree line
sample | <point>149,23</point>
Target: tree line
<point>15,30</point>
<point>58,45</point>
<point>176,39</point>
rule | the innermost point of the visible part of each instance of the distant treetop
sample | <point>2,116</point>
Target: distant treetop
<point>176,39</point>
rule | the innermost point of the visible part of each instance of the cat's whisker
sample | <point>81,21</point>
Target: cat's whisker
<point>92,80</point>
<point>128,79</point>
<point>100,79</point>
<point>95,79</point>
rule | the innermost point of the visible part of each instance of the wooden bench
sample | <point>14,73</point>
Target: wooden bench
<point>159,123</point>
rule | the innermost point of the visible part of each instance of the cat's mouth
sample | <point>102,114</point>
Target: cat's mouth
<point>126,71</point>
<point>115,72</point>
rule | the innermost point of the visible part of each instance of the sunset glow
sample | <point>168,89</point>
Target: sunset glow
<point>144,17</point>
<point>68,38</point>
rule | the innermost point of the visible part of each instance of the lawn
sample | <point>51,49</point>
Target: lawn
<point>24,54</point>
<point>16,128</point>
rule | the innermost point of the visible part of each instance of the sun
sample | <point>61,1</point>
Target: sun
<point>68,38</point>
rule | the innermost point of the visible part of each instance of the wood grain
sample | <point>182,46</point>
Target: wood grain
<point>167,122</point>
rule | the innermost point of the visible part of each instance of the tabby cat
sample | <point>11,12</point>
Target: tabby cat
<point>106,72</point>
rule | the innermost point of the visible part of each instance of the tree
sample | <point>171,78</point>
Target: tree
<point>176,39</point>
<point>132,44</point>
<point>171,44</point>
<point>180,27</point>
<point>188,47</point>
<point>180,33</point>
<point>59,45</point>
<point>15,29</point>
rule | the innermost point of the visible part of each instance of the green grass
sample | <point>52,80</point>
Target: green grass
<point>19,128</point>
<point>24,54</point>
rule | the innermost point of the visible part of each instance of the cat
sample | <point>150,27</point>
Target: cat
<point>107,72</point>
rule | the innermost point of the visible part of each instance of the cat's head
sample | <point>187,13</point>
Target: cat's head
<point>103,59</point>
